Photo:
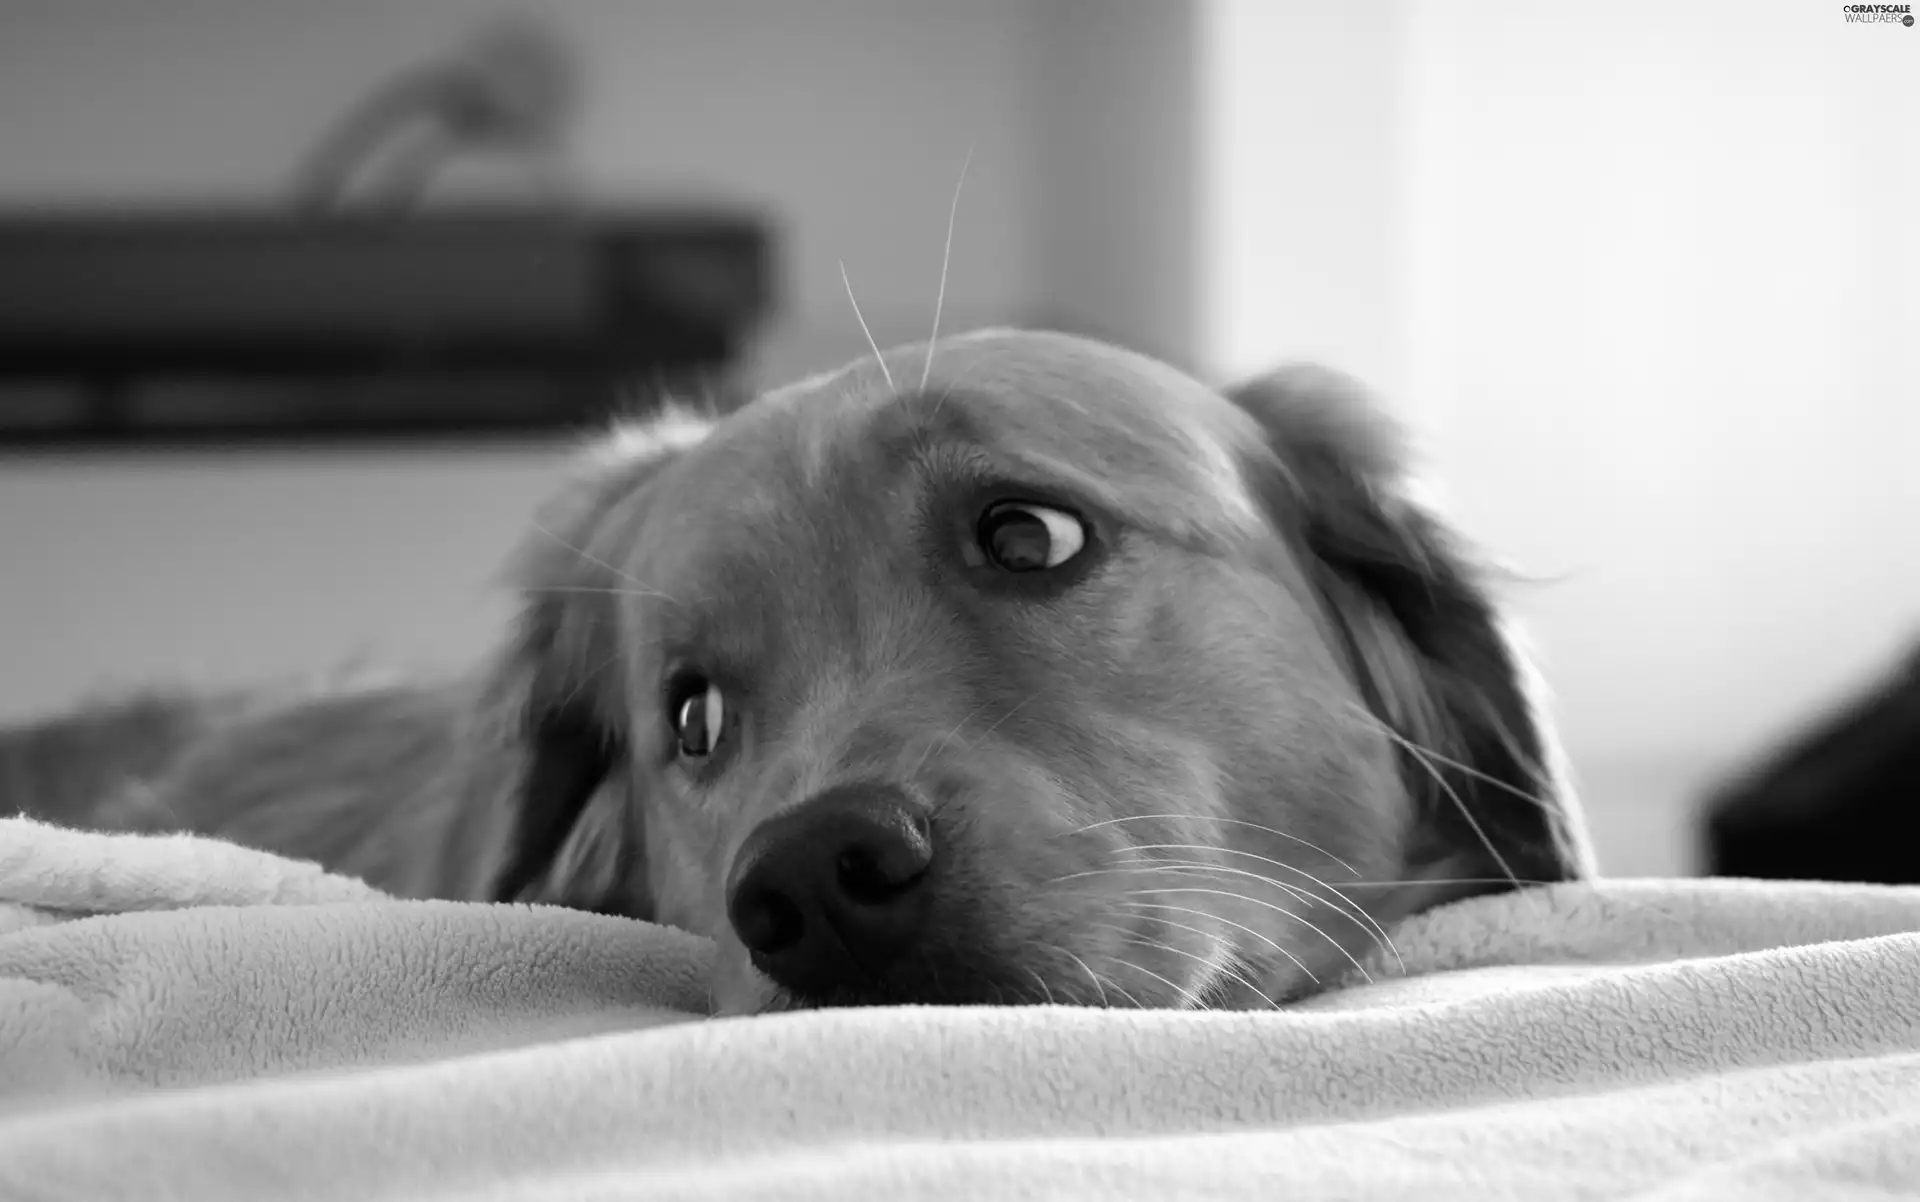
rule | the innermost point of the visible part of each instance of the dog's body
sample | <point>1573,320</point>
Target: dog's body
<point>1050,674</point>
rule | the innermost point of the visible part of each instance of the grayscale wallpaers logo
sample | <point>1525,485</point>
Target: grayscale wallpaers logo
<point>1878,14</point>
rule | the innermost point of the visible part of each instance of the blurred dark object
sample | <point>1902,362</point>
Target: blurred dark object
<point>1841,802</point>
<point>222,326</point>
<point>510,92</point>
<point>363,312</point>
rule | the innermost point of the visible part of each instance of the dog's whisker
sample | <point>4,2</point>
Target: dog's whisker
<point>1342,902</point>
<point>1466,811</point>
<point>946,260</point>
<point>1449,880</point>
<point>1366,920</point>
<point>1239,969</point>
<point>1091,975</point>
<point>642,593</point>
<point>1163,891</point>
<point>1186,995</point>
<point>936,748</point>
<point>1139,1005</point>
<point>861,318</point>
<point>596,560</point>
<point>1214,968</point>
<point>1425,757</point>
<point>1045,990</point>
<point>1011,710</point>
<point>1214,818</point>
<point>1235,969</point>
<point>1351,959</point>
<point>1138,905</point>
<point>939,401</point>
<point>1372,931</point>
<point>590,677</point>
<point>1148,866</point>
<point>1133,999</point>
<point>1456,765</point>
<point>1350,910</point>
<point>939,745</point>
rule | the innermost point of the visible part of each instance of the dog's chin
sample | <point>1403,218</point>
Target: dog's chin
<point>735,989</point>
<point>755,993</point>
<point>738,989</point>
<point>772,999</point>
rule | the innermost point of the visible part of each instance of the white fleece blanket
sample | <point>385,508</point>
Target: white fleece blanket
<point>184,1019</point>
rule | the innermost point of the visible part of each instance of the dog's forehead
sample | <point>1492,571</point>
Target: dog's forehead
<point>1139,431</point>
<point>1149,444</point>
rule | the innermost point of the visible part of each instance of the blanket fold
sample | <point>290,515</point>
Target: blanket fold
<point>183,1019</point>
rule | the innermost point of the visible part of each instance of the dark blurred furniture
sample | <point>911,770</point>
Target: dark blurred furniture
<point>1840,802</point>
<point>211,326</point>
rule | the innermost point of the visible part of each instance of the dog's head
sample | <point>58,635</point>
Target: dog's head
<point>1061,676</point>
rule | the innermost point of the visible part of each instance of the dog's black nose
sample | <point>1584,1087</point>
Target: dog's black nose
<point>827,894</point>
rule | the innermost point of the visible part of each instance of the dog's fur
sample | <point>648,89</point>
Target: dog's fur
<point>1268,710</point>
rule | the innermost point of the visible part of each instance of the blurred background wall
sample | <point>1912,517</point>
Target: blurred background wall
<point>1642,274</point>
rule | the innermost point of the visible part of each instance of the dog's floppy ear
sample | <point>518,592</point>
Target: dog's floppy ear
<point>1432,655</point>
<point>565,828</point>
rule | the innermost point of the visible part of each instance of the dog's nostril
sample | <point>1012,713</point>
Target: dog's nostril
<point>873,877</point>
<point>768,921</point>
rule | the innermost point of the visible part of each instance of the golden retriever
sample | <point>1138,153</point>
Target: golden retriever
<point>1050,674</point>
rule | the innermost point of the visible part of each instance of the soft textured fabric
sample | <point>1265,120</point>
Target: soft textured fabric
<point>182,1019</point>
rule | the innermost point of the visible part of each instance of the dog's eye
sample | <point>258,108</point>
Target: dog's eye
<point>1017,536</point>
<point>697,711</point>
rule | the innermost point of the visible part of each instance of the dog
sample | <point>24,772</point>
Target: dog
<point>1009,668</point>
